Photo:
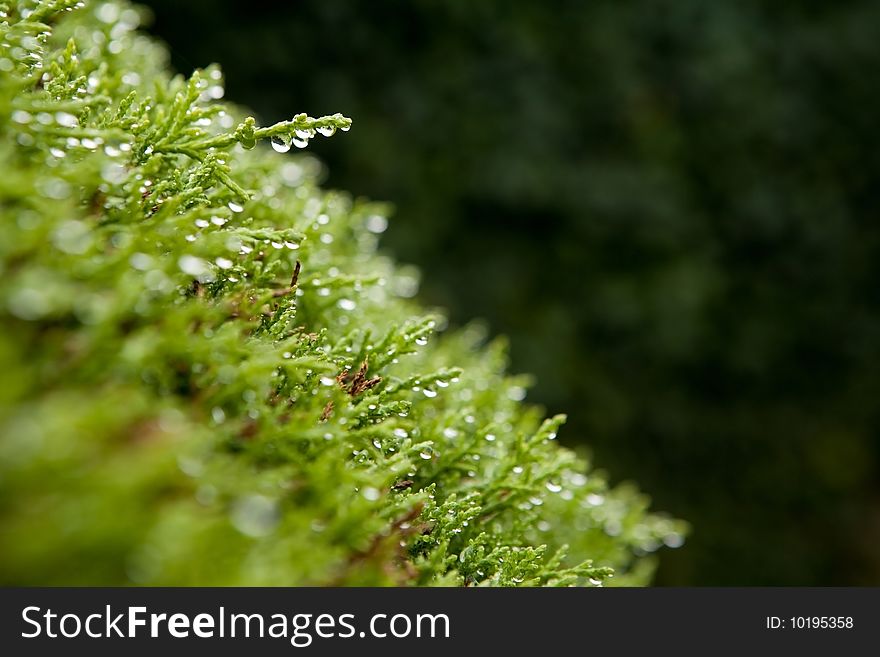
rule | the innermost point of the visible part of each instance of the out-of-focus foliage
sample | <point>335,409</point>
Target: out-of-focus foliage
<point>208,375</point>
<point>670,206</point>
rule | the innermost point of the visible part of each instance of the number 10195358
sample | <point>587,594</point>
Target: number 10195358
<point>810,623</point>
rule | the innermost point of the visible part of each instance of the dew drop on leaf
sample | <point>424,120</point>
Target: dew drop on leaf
<point>280,144</point>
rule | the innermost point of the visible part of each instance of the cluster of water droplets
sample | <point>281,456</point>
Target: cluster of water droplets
<point>211,87</point>
<point>301,137</point>
<point>22,45</point>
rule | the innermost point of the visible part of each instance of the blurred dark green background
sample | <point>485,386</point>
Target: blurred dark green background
<point>670,208</point>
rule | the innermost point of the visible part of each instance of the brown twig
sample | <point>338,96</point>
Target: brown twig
<point>283,292</point>
<point>327,412</point>
<point>359,382</point>
<point>385,547</point>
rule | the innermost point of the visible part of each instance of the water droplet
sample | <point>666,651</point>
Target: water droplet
<point>327,130</point>
<point>53,188</point>
<point>425,455</point>
<point>66,119</point>
<point>376,223</point>
<point>300,143</point>
<point>421,341</point>
<point>430,394</point>
<point>400,433</point>
<point>327,381</point>
<point>346,304</point>
<point>371,494</point>
<point>255,515</point>
<point>20,116</point>
<point>280,144</point>
<point>449,432</point>
<point>107,12</point>
<point>292,174</point>
<point>553,488</point>
<point>223,263</point>
<point>140,261</point>
<point>72,237</point>
<point>29,303</point>
<point>235,207</point>
<point>490,437</point>
<point>613,528</point>
<point>673,540</point>
<point>595,500</point>
<point>192,265</point>
<point>218,415</point>
<point>189,466</point>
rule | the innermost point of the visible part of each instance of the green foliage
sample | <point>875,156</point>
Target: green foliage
<point>669,206</point>
<point>209,375</point>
